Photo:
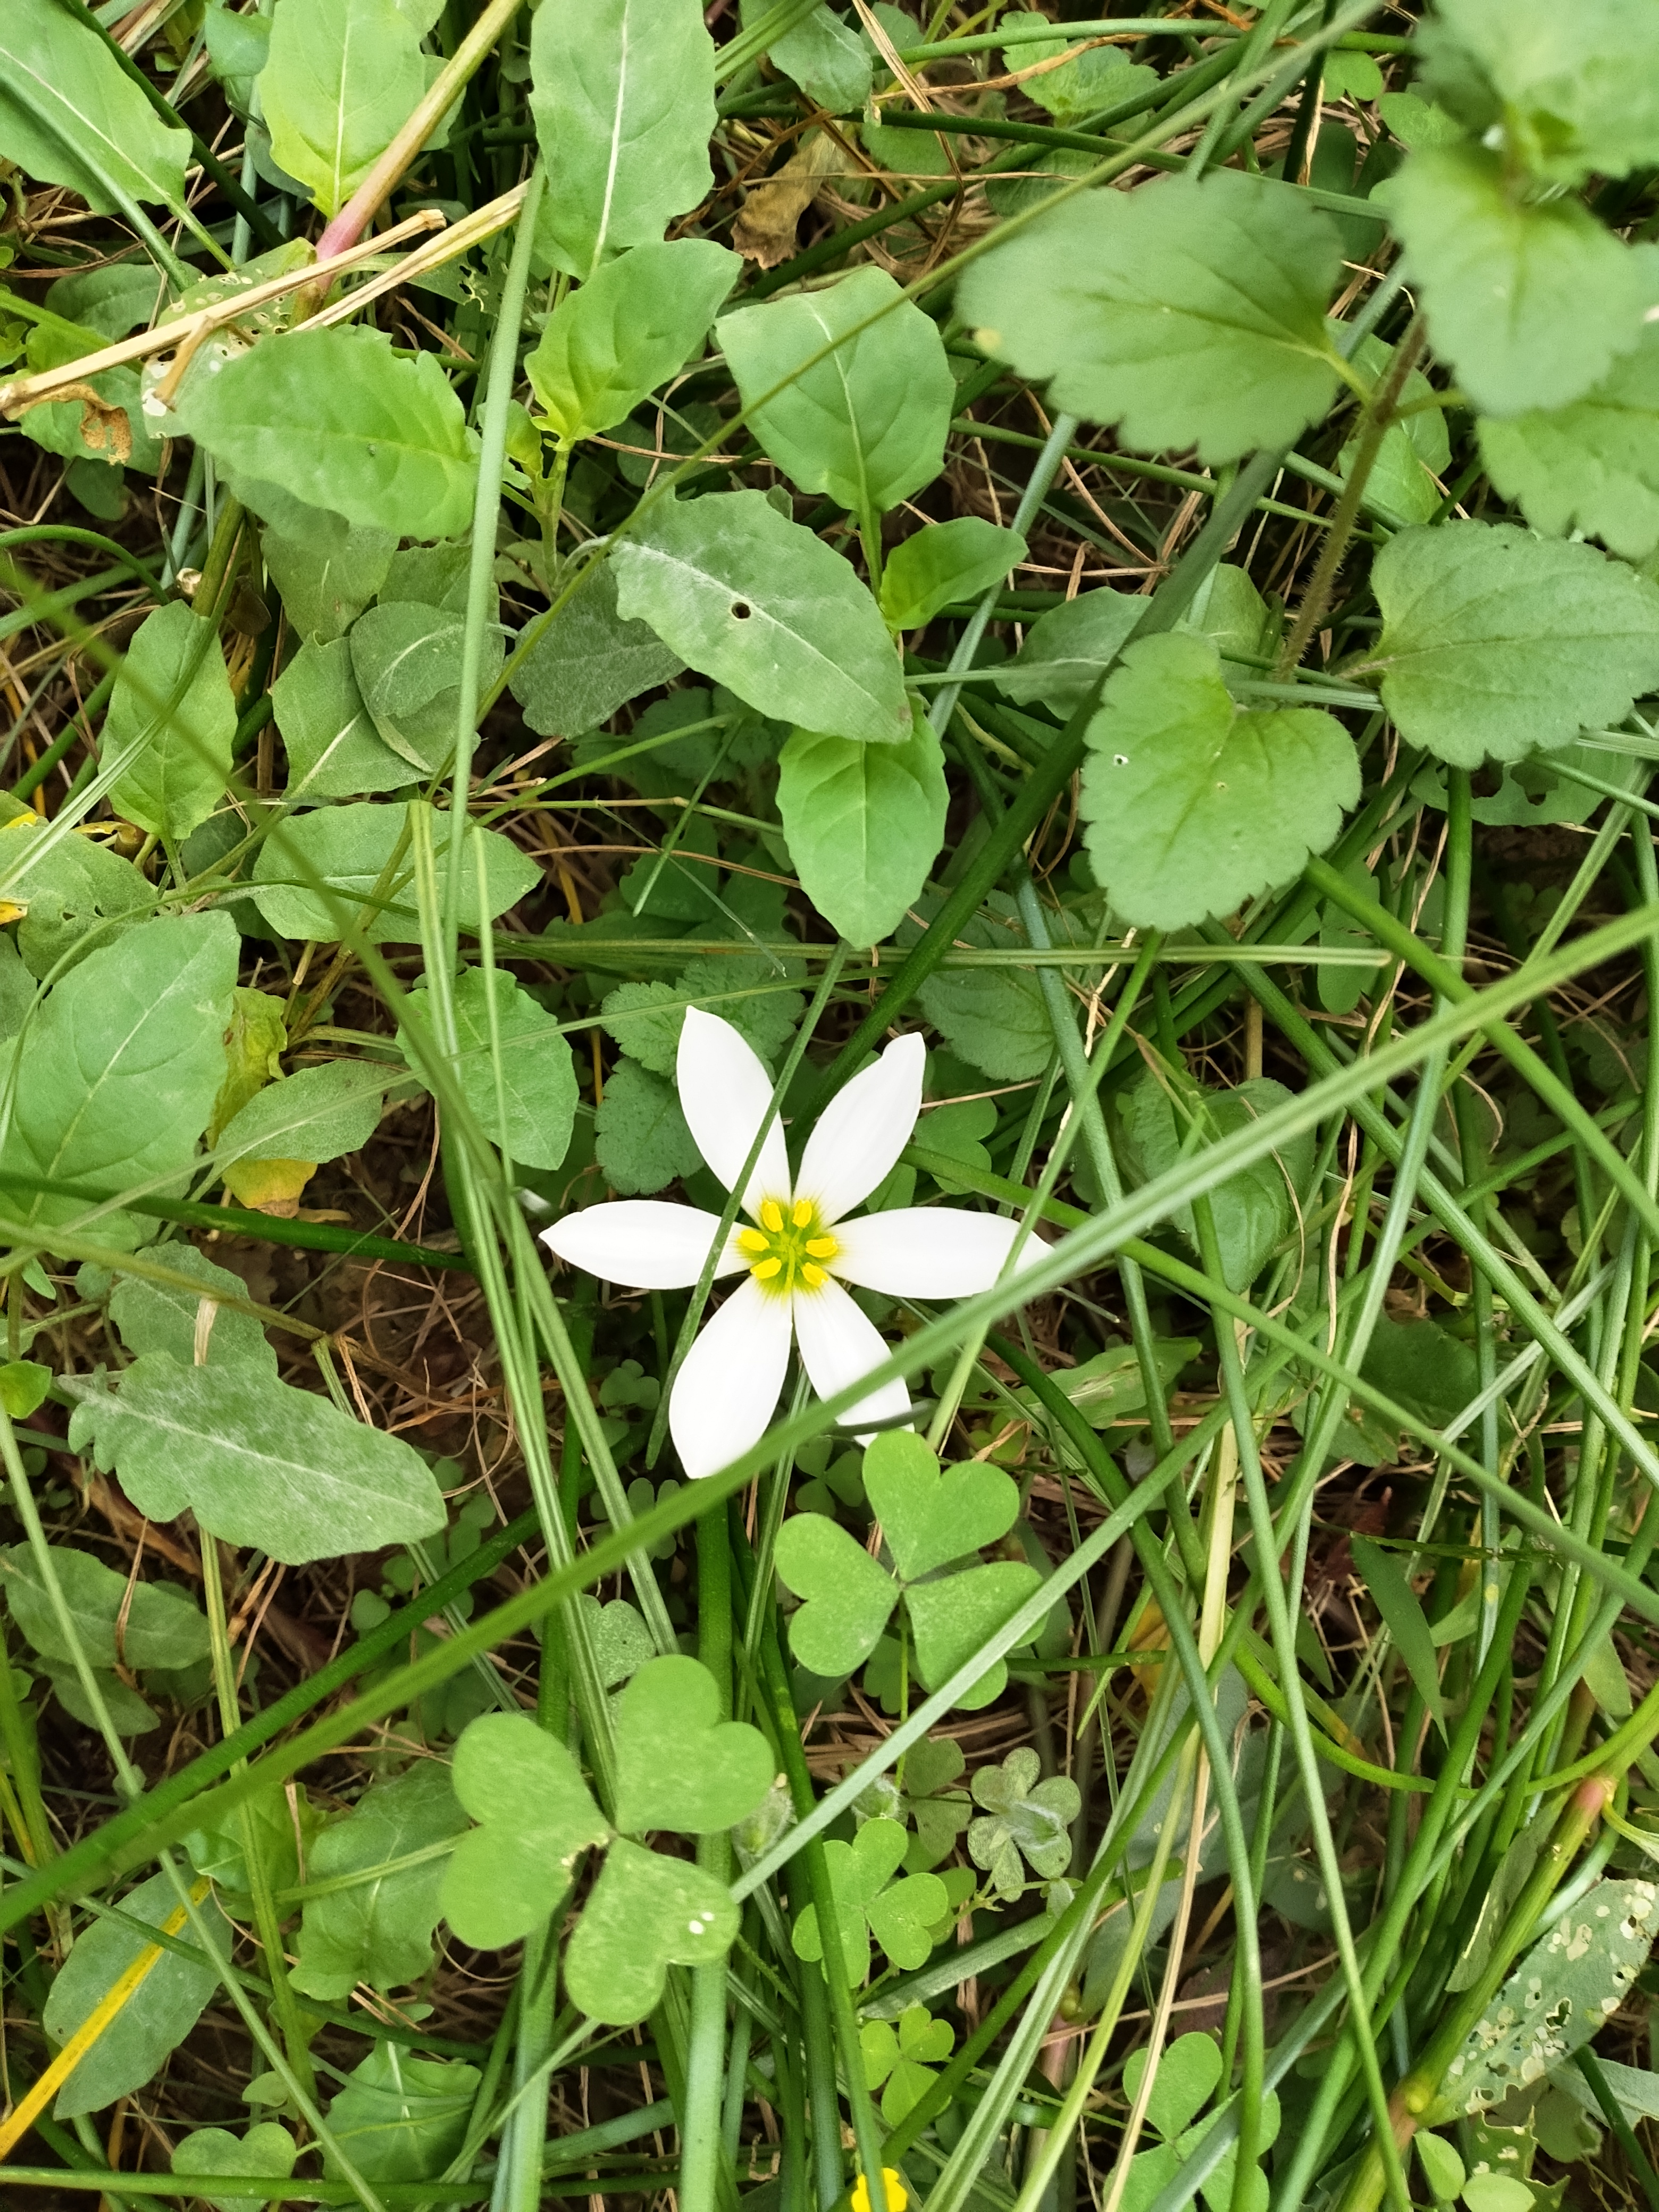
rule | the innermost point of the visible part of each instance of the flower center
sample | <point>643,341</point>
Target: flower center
<point>790,1248</point>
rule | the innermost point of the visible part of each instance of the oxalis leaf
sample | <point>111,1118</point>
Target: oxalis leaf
<point>647,1912</point>
<point>1495,643</point>
<point>70,116</point>
<point>867,423</point>
<point>256,1460</point>
<point>336,419</point>
<point>1194,806</point>
<point>864,824</point>
<point>536,1817</point>
<point>766,608</point>
<point>870,1902</point>
<point>1190,314</point>
<point>1023,1817</point>
<point>266,2150</point>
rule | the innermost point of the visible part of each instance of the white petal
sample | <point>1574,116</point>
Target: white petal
<point>863,1130</point>
<point>929,1251</point>
<point>643,1243</point>
<point>725,1093</point>
<point>725,1395</point>
<point>837,1345</point>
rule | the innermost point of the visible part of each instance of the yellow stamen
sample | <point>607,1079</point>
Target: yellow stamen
<point>813,1277</point>
<point>750,1240</point>
<point>803,1212</point>
<point>823,1248</point>
<point>766,1269</point>
<point>772,1216</point>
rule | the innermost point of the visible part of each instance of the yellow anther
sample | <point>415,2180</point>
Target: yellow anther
<point>821,1248</point>
<point>750,1240</point>
<point>813,1277</point>
<point>772,1216</point>
<point>802,1214</point>
<point>767,1269</point>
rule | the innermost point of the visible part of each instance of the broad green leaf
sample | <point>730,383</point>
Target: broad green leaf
<point>630,328</point>
<point>647,1912</point>
<point>69,115</point>
<point>1531,301</point>
<point>256,1460</point>
<point>1443,2168</point>
<point>238,47</point>
<point>1067,650</point>
<point>1024,1818</point>
<point>267,2148</point>
<point>1186,2081</point>
<point>378,1929</point>
<point>1495,643</point>
<point>993,1018</point>
<point>952,1619</point>
<point>255,1045</point>
<point>1563,1992</point>
<point>162,1626</point>
<point>930,1516</point>
<point>536,1817</point>
<point>1423,1367</point>
<point>23,1387</point>
<point>640,1133</point>
<point>352,849</point>
<point>943,561</point>
<point>340,80</point>
<point>406,657</point>
<point>335,419</point>
<point>1403,1618</point>
<point>867,423</point>
<point>172,701</point>
<point>529,1108</point>
<point>315,1114</point>
<point>759,602</point>
<point>155,1317</point>
<point>622,93</point>
<point>218,1848</point>
<point>587,661</point>
<point>1194,806</point>
<point>869,1901</point>
<point>1094,80</point>
<point>864,825</point>
<point>1574,89</point>
<point>1110,1387</point>
<point>75,893</point>
<point>101,304</point>
<point>849,1596</point>
<point>678,1765</point>
<point>326,568</point>
<point>401,2119</point>
<point>334,749</point>
<point>1592,466</point>
<point>825,56</point>
<point>1188,314</point>
<point>124,1059</point>
<point>1414,452</point>
<point>1253,1210</point>
<point>157,2017</point>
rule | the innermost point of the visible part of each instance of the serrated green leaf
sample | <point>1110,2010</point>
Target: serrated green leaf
<point>623,92</point>
<point>765,607</point>
<point>536,1817</point>
<point>1495,643</point>
<point>864,825</point>
<point>157,2017</point>
<point>1097,79</point>
<point>401,2119</point>
<point>588,661</point>
<point>647,1912</point>
<point>155,1317</point>
<point>266,2150</point>
<point>867,423</point>
<point>1576,87</point>
<point>993,1018</point>
<point>378,1930</point>
<point>316,1113</point>
<point>172,701</point>
<point>256,1461</point>
<point>1067,650</point>
<point>943,561</point>
<point>1530,301</point>
<point>1194,806</point>
<point>340,80</point>
<point>334,749</point>
<point>536,1090</point>
<point>849,1597</point>
<point>646,1019</point>
<point>1591,466</point>
<point>679,1766</point>
<point>640,1134</point>
<point>69,115</point>
<point>352,848</point>
<point>124,1059</point>
<point>630,328</point>
<point>335,419</point>
<point>1188,314</point>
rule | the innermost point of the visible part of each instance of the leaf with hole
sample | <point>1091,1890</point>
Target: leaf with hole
<point>1185,314</point>
<point>1194,804</point>
<point>765,607</point>
<point>537,1817</point>
<point>867,424</point>
<point>622,94</point>
<point>864,825</point>
<point>256,1461</point>
<point>376,1925</point>
<point>69,114</point>
<point>340,80</point>
<point>172,705</point>
<point>1495,642</point>
<point>631,326</point>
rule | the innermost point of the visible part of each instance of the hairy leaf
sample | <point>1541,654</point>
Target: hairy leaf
<point>1592,466</point>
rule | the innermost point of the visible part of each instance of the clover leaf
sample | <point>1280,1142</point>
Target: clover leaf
<point>1023,1817</point>
<point>266,2151</point>
<point>678,1765</point>
<point>505,1877</point>
<point>648,1912</point>
<point>931,1516</point>
<point>1188,2076</point>
<point>899,2057</point>
<point>869,1902</point>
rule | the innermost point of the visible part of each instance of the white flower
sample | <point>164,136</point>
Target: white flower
<point>800,1248</point>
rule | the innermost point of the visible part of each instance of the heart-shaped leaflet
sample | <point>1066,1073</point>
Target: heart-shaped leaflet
<point>849,1597</point>
<point>537,1816</point>
<point>929,1517</point>
<point>679,1766</point>
<point>949,1619</point>
<point>647,1912</point>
